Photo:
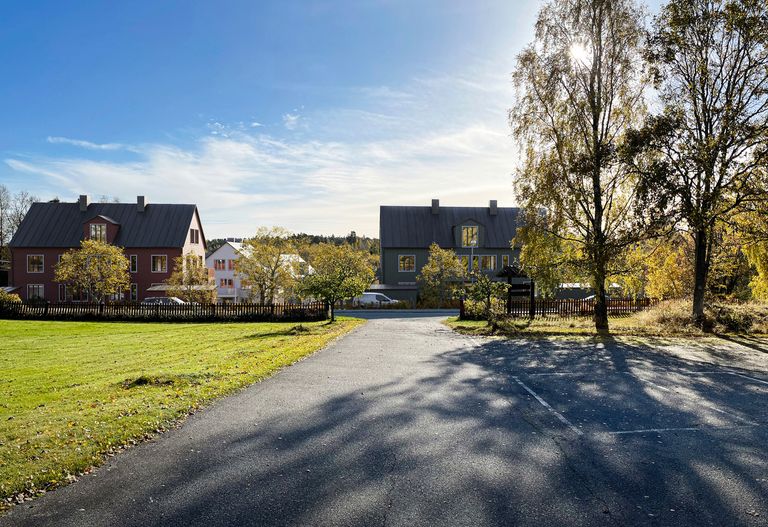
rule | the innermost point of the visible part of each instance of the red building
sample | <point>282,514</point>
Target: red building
<point>151,235</point>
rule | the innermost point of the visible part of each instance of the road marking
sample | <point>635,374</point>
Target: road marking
<point>681,429</point>
<point>573,373</point>
<point>544,403</point>
<point>709,406</point>
<point>747,377</point>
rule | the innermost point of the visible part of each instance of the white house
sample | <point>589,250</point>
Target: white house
<point>228,283</point>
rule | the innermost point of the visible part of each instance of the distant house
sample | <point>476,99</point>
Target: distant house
<point>480,236</point>
<point>229,283</point>
<point>152,235</point>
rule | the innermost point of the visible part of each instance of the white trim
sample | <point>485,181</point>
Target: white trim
<point>477,236</point>
<point>42,267</point>
<point>134,287</point>
<point>90,231</point>
<point>152,263</point>
<point>133,258</point>
<point>399,256</point>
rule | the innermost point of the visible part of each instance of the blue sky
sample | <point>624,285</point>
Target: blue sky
<point>304,114</point>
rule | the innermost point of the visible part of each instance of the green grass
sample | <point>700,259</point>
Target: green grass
<point>635,325</point>
<point>74,392</point>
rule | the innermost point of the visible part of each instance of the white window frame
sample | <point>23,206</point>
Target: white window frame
<point>134,292</point>
<point>152,261</point>
<point>399,266</point>
<point>90,231</point>
<point>480,261</point>
<point>134,267</point>
<point>42,264</point>
<point>42,291</point>
<point>505,259</point>
<point>477,235</point>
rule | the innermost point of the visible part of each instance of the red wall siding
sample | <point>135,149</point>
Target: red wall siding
<point>144,276</point>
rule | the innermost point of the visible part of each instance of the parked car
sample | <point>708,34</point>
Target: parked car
<point>162,300</point>
<point>373,299</point>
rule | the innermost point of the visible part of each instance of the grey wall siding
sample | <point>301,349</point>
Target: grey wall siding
<point>390,258</point>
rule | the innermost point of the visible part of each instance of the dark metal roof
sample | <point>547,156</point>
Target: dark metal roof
<point>415,227</point>
<point>61,224</point>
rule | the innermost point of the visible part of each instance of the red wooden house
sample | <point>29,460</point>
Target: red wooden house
<point>151,235</point>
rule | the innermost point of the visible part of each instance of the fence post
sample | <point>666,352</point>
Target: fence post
<point>532,301</point>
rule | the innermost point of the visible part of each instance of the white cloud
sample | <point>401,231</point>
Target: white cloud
<point>291,121</point>
<point>441,137</point>
<point>86,144</point>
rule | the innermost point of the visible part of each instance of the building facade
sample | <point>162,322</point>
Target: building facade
<point>229,285</point>
<point>151,235</point>
<point>480,236</point>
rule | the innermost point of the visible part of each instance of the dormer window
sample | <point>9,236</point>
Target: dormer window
<point>99,232</point>
<point>469,236</point>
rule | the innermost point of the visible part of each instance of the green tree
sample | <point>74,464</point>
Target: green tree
<point>266,264</point>
<point>484,289</point>
<point>580,87</point>
<point>442,275</point>
<point>338,272</point>
<point>547,259</point>
<point>706,151</point>
<point>96,267</point>
<point>190,281</point>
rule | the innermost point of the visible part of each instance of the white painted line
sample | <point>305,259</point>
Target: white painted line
<point>655,430</point>
<point>681,429</point>
<point>747,377</point>
<point>575,374</point>
<point>709,406</point>
<point>546,405</point>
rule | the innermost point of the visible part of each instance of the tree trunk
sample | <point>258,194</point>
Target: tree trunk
<point>333,311</point>
<point>701,271</point>
<point>601,304</point>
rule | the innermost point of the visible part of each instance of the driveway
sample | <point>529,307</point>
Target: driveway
<point>404,422</point>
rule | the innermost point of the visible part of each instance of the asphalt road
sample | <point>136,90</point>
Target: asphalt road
<point>404,422</point>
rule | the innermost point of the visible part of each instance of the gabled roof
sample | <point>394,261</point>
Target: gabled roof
<point>417,227</point>
<point>103,217</point>
<point>61,224</point>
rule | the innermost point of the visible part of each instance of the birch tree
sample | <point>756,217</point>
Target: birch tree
<point>580,87</point>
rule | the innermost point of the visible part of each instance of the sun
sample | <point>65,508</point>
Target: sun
<point>579,53</point>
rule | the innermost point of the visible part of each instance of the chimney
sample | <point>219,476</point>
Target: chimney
<point>435,207</point>
<point>141,203</point>
<point>83,202</point>
<point>493,208</point>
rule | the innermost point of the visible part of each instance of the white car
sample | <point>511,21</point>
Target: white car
<point>162,300</point>
<point>373,299</point>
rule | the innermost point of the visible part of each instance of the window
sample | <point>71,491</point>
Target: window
<point>35,291</point>
<point>469,236</point>
<point>134,292</point>
<point>231,265</point>
<point>159,263</point>
<point>62,293</point>
<point>407,263</point>
<point>35,263</point>
<point>505,260</point>
<point>488,262</point>
<point>194,236</point>
<point>464,259</point>
<point>219,265</point>
<point>99,232</point>
<point>134,263</point>
<point>225,282</point>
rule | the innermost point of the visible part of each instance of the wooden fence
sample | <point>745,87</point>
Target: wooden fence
<point>558,308</point>
<point>309,312</point>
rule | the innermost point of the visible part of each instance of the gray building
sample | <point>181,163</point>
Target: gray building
<point>480,236</point>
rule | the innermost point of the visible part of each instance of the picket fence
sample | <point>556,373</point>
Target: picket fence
<point>308,312</point>
<point>561,308</point>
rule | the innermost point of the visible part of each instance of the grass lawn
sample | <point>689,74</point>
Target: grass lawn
<point>635,325</point>
<point>75,391</point>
